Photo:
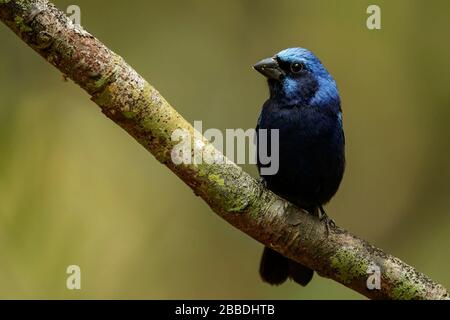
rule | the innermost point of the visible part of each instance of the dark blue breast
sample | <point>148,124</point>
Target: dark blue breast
<point>311,152</point>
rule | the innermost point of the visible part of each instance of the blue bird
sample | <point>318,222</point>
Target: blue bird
<point>305,107</point>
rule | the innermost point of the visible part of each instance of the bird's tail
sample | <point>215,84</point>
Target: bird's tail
<point>276,269</point>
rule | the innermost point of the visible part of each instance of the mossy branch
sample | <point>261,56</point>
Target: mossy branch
<point>128,100</point>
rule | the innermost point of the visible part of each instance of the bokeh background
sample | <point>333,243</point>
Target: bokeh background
<point>76,189</point>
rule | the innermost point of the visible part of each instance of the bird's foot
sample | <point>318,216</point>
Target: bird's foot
<point>329,223</point>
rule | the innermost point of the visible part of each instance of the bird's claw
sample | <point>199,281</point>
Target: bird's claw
<point>329,223</point>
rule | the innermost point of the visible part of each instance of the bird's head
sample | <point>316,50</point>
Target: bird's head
<point>297,77</point>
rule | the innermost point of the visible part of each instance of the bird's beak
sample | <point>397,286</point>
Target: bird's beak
<point>269,68</point>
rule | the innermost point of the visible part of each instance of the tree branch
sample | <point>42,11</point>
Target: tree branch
<point>127,99</point>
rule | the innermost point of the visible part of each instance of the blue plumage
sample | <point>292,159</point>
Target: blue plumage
<point>304,105</point>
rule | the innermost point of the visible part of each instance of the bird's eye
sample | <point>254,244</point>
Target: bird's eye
<point>297,67</point>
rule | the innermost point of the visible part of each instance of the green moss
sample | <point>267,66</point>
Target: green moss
<point>21,24</point>
<point>103,99</point>
<point>25,5</point>
<point>349,265</point>
<point>405,290</point>
<point>235,200</point>
<point>237,204</point>
<point>202,171</point>
<point>4,1</point>
<point>100,83</point>
<point>128,114</point>
<point>216,179</point>
<point>232,199</point>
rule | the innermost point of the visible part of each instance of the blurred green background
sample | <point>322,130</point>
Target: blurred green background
<point>76,189</point>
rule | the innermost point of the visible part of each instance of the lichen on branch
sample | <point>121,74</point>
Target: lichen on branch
<point>132,103</point>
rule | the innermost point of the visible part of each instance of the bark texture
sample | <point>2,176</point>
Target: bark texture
<point>132,103</point>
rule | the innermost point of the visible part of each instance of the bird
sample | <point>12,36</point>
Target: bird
<point>305,107</point>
